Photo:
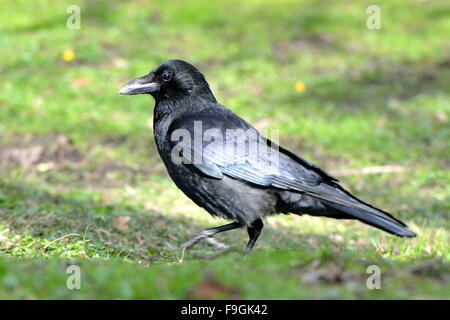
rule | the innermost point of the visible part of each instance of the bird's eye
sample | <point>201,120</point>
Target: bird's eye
<point>166,76</point>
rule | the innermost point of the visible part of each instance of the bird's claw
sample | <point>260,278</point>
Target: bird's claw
<point>216,243</point>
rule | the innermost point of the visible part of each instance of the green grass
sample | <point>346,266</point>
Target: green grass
<point>81,182</point>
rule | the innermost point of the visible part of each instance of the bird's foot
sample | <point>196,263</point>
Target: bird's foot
<point>217,244</point>
<point>204,235</point>
<point>199,236</point>
<point>208,233</point>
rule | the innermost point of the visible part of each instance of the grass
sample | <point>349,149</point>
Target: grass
<point>81,182</point>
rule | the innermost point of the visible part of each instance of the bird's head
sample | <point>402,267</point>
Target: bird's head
<point>172,79</point>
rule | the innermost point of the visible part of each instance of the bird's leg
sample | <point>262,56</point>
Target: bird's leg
<point>206,233</point>
<point>253,232</point>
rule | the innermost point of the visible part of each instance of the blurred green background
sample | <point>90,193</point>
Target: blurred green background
<point>81,182</point>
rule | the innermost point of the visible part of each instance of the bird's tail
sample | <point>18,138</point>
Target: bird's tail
<point>381,221</point>
<point>346,203</point>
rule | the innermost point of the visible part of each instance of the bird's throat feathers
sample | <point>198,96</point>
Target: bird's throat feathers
<point>182,105</point>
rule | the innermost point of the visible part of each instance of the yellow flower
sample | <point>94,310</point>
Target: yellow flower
<point>68,55</point>
<point>299,86</point>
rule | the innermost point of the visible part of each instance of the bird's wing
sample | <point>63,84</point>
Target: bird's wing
<point>218,142</point>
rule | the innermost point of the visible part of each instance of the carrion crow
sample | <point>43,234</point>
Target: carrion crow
<point>228,168</point>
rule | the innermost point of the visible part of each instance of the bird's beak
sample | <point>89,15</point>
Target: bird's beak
<point>145,84</point>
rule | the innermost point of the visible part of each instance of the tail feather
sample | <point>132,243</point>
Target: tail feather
<point>385,223</point>
<point>337,198</point>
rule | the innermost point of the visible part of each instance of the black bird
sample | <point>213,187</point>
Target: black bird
<point>225,166</point>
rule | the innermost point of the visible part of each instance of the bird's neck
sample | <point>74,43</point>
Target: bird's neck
<point>170,109</point>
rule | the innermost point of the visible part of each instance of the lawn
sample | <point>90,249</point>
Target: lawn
<point>81,182</point>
